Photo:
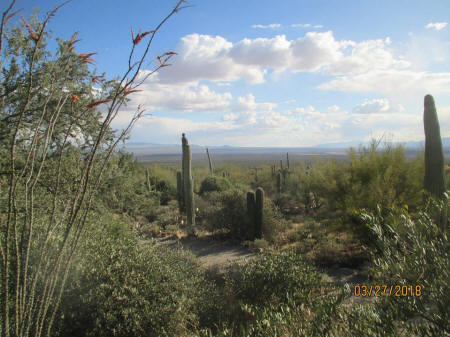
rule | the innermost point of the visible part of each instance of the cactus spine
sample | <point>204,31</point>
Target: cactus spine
<point>180,193</point>
<point>188,184</point>
<point>210,162</point>
<point>259,212</point>
<point>251,208</point>
<point>434,180</point>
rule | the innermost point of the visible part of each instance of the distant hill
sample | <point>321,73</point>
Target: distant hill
<point>152,150</point>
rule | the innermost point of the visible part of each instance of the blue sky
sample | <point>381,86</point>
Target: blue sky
<point>274,73</point>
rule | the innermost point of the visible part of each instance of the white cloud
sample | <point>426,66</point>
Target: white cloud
<point>301,25</point>
<point>274,52</point>
<point>205,57</point>
<point>390,82</point>
<point>271,26</point>
<point>436,25</point>
<point>182,97</point>
<point>318,26</point>
<point>377,105</point>
<point>213,58</point>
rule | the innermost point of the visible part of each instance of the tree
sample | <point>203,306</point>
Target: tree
<point>54,146</point>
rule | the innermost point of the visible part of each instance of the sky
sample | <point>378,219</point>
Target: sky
<point>273,73</point>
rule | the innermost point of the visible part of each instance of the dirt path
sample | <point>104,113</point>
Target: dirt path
<point>211,253</point>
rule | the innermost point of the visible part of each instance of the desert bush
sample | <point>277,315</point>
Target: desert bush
<point>412,251</point>
<point>121,288</point>
<point>214,184</point>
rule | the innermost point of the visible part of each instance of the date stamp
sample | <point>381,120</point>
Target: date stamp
<point>381,290</point>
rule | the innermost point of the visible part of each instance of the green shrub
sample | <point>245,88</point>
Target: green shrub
<point>121,288</point>
<point>413,251</point>
<point>272,277</point>
<point>214,184</point>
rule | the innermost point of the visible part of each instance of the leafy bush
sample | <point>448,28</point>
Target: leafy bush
<point>121,288</point>
<point>272,277</point>
<point>214,184</point>
<point>413,251</point>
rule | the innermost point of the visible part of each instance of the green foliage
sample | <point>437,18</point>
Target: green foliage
<point>214,184</point>
<point>121,288</point>
<point>412,250</point>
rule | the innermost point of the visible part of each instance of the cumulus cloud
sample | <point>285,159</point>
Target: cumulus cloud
<point>271,26</point>
<point>376,106</point>
<point>214,58</point>
<point>436,25</point>
<point>390,82</point>
<point>182,97</point>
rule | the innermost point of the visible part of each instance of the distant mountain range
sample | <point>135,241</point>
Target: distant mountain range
<point>167,149</point>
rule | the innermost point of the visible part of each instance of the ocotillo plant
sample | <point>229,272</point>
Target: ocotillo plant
<point>251,208</point>
<point>210,162</point>
<point>259,212</point>
<point>434,180</point>
<point>188,184</point>
<point>281,164</point>
<point>180,192</point>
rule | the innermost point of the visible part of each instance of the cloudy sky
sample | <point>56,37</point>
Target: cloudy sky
<point>275,73</point>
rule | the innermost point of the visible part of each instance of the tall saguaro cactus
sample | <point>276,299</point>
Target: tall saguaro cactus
<point>188,183</point>
<point>259,212</point>
<point>434,180</point>
<point>180,192</point>
<point>287,160</point>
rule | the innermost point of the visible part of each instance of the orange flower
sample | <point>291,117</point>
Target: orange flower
<point>72,41</point>
<point>140,35</point>
<point>74,98</point>
<point>33,34</point>
<point>95,103</point>
<point>96,78</point>
<point>86,58</point>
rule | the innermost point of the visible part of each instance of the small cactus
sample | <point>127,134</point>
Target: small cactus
<point>259,196</point>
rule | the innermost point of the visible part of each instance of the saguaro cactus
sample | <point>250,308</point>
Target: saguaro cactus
<point>188,184</point>
<point>251,207</point>
<point>259,212</point>
<point>210,162</point>
<point>180,193</point>
<point>434,180</point>
<point>147,181</point>
<point>287,160</point>
<point>279,182</point>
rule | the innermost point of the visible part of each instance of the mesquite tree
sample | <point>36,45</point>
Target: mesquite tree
<point>48,113</point>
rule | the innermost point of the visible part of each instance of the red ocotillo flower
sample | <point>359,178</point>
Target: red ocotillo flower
<point>170,53</point>
<point>33,34</point>
<point>139,35</point>
<point>86,58</point>
<point>95,79</point>
<point>74,98</point>
<point>100,101</point>
<point>72,41</point>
